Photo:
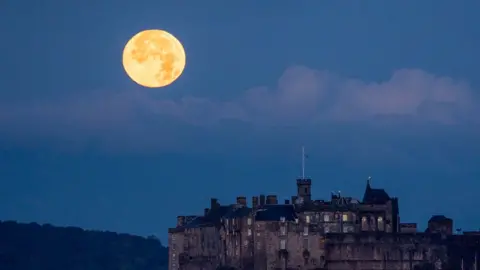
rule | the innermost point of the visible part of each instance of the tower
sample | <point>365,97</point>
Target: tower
<point>304,185</point>
<point>304,189</point>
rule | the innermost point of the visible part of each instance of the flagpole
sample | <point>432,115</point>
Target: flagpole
<point>303,162</point>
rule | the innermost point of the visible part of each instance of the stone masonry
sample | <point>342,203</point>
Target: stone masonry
<point>342,233</point>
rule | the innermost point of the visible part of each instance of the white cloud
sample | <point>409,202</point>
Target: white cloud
<point>302,96</point>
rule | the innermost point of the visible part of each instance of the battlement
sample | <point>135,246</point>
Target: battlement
<point>304,181</point>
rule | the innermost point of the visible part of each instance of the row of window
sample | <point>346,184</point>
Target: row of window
<point>306,243</point>
<point>345,218</point>
<point>326,218</point>
<point>379,219</point>
<point>249,221</point>
<point>283,245</point>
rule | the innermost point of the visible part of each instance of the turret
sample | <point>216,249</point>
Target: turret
<point>304,189</point>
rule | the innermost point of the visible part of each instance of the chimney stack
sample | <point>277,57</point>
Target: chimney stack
<point>213,203</point>
<point>272,199</point>
<point>205,211</point>
<point>180,221</point>
<point>254,202</point>
<point>287,201</point>
<point>242,200</point>
<point>262,200</point>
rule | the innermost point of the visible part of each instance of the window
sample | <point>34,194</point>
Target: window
<point>380,224</point>
<point>306,190</point>
<point>305,231</point>
<point>283,244</point>
<point>364,224</point>
<point>233,221</point>
<point>249,232</point>
<point>245,243</point>
<point>249,221</point>
<point>226,222</point>
<point>326,229</point>
<point>258,245</point>
<point>305,243</point>
<point>345,217</point>
<point>283,230</point>
<point>345,229</point>
<point>326,217</point>
<point>307,219</point>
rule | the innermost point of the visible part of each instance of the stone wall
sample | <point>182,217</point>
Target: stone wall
<point>384,251</point>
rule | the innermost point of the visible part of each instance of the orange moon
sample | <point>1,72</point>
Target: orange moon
<point>154,58</point>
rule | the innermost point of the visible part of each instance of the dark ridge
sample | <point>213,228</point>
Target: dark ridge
<point>46,247</point>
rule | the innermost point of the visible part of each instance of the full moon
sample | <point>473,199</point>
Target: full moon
<point>153,58</point>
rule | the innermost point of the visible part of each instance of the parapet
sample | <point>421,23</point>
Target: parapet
<point>304,181</point>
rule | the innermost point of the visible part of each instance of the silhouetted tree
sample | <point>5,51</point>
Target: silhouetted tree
<point>45,247</point>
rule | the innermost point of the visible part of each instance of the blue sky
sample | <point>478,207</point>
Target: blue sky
<point>382,88</point>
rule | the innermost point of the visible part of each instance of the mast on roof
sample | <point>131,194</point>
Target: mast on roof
<point>303,162</point>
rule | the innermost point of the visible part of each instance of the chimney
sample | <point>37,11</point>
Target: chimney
<point>242,200</point>
<point>262,200</point>
<point>205,211</point>
<point>287,201</point>
<point>254,202</point>
<point>180,221</point>
<point>213,203</point>
<point>294,199</point>
<point>272,199</point>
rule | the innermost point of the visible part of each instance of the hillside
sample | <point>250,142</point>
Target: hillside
<point>45,247</point>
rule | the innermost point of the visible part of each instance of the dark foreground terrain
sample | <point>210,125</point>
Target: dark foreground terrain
<point>45,247</point>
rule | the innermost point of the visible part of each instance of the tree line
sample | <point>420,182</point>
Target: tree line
<point>46,247</point>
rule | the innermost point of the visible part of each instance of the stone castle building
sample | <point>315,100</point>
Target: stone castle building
<point>302,233</point>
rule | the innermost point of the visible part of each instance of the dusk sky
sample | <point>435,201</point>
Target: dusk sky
<point>388,89</point>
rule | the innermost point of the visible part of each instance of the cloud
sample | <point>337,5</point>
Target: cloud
<point>303,96</point>
<point>307,96</point>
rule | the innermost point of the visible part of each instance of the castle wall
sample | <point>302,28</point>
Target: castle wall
<point>202,248</point>
<point>340,234</point>
<point>383,251</point>
<point>175,248</point>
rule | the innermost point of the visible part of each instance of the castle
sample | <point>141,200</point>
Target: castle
<point>302,233</point>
